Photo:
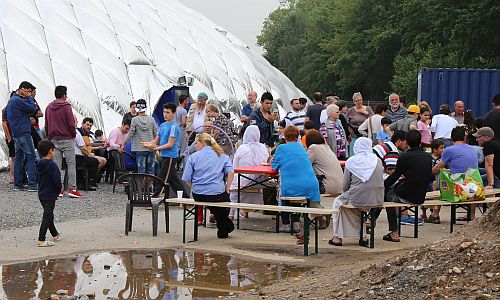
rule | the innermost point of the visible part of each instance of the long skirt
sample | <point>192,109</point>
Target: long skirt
<point>347,222</point>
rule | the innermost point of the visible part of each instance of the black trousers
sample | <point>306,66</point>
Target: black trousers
<point>221,214</point>
<point>392,212</point>
<point>47,220</point>
<point>90,162</point>
<point>170,175</point>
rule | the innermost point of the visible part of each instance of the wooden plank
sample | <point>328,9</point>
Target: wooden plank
<point>293,209</point>
<point>435,195</point>
<point>426,203</point>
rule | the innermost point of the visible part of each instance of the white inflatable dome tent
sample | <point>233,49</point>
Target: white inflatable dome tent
<point>110,52</point>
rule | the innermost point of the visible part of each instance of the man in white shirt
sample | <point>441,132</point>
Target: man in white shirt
<point>295,116</point>
<point>442,125</point>
<point>83,158</point>
<point>197,117</point>
<point>458,114</point>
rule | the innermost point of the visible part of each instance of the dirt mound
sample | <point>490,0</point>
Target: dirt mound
<point>464,266</point>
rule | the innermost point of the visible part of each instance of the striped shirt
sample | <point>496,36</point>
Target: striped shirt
<point>388,154</point>
<point>399,114</point>
<point>295,118</point>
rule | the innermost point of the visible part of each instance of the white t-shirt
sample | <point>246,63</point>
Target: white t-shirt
<point>442,125</point>
<point>199,120</point>
<point>79,142</point>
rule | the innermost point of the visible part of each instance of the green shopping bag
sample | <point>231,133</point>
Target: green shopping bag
<point>461,187</point>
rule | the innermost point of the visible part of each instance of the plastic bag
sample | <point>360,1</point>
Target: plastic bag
<point>461,187</point>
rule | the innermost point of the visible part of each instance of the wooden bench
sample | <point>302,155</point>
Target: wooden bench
<point>190,212</point>
<point>369,213</point>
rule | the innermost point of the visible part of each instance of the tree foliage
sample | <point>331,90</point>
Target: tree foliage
<point>378,46</point>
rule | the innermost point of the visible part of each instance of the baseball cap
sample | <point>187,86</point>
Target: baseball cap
<point>141,105</point>
<point>203,95</point>
<point>484,131</point>
<point>414,109</point>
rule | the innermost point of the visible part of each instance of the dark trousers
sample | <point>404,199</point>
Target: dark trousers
<point>221,214</point>
<point>392,212</point>
<point>48,219</point>
<point>170,175</point>
<point>90,162</point>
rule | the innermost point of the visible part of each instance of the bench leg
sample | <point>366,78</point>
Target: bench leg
<point>372,227</point>
<point>453,217</point>
<point>315,224</point>
<point>167,218</point>
<point>306,235</point>
<point>277,221</point>
<point>469,209</point>
<point>399,220</point>
<point>415,223</point>
<point>184,216</point>
<point>195,222</point>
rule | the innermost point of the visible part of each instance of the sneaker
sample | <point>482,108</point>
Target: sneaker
<point>61,194</point>
<point>411,221</point>
<point>45,244</point>
<point>33,188</point>
<point>19,188</point>
<point>74,194</point>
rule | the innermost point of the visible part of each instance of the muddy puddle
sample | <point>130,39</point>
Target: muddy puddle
<point>143,274</point>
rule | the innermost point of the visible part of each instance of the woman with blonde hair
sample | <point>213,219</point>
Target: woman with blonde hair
<point>356,116</point>
<point>210,173</point>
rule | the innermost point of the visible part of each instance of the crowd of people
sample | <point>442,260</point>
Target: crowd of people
<point>380,148</point>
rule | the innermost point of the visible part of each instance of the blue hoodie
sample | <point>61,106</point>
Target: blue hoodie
<point>49,179</point>
<point>19,110</point>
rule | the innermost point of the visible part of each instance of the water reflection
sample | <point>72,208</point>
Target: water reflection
<point>147,274</point>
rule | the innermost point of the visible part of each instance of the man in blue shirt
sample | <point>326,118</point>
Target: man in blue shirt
<point>19,109</point>
<point>249,108</point>
<point>263,118</point>
<point>458,158</point>
<point>167,140</point>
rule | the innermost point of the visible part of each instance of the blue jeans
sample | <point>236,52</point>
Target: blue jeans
<point>145,161</point>
<point>24,151</point>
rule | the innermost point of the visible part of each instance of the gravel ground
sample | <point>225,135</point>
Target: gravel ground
<point>21,209</point>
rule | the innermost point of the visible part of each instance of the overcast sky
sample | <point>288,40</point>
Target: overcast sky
<point>243,18</point>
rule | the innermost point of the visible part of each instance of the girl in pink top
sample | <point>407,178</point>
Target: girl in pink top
<point>424,129</point>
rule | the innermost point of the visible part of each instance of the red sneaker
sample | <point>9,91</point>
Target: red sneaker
<point>74,194</point>
<point>61,194</point>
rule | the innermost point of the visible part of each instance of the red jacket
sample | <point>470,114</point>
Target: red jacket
<point>59,121</point>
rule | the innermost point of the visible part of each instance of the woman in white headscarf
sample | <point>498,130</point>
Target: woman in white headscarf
<point>363,185</point>
<point>250,153</point>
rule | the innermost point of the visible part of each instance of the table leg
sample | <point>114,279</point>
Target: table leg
<point>239,199</point>
<point>316,246</point>
<point>277,222</point>
<point>399,220</point>
<point>469,209</point>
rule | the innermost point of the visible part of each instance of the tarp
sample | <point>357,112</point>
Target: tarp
<point>110,52</point>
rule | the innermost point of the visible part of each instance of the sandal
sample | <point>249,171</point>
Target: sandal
<point>300,240</point>
<point>433,220</point>
<point>389,238</point>
<point>363,243</point>
<point>45,244</point>
<point>333,243</point>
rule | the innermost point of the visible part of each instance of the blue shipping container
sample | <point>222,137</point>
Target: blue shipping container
<point>475,87</point>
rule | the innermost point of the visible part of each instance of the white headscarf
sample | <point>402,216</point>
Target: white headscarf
<point>251,138</point>
<point>364,161</point>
